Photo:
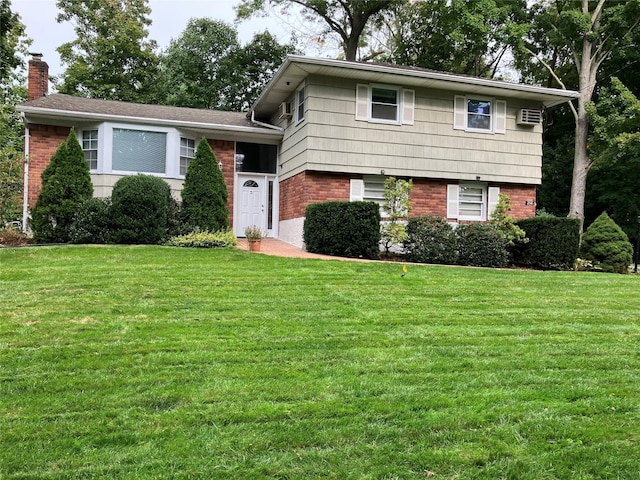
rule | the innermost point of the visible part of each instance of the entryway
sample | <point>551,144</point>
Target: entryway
<point>254,203</point>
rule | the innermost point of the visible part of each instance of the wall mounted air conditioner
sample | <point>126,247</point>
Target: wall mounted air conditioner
<point>529,116</point>
<point>285,110</point>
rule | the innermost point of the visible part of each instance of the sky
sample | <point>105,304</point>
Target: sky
<point>169,19</point>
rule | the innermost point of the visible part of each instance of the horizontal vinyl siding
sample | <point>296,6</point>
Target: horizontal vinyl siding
<point>429,148</point>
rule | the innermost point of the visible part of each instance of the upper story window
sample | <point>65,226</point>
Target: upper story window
<point>139,151</point>
<point>385,104</point>
<point>481,115</point>
<point>90,148</point>
<point>187,153</point>
<point>300,101</point>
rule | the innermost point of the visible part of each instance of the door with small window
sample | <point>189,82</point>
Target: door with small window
<point>251,208</point>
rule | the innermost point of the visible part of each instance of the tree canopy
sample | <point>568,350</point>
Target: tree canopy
<point>111,57</point>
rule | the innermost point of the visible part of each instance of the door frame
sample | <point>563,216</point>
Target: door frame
<point>265,178</point>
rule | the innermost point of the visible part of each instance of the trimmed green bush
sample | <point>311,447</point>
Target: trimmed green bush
<point>198,239</point>
<point>481,245</point>
<point>66,183</point>
<point>607,246</point>
<point>553,243</point>
<point>204,194</point>
<point>430,240</point>
<point>92,221</point>
<point>347,229</point>
<point>140,210</point>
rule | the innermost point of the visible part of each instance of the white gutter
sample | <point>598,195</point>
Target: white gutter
<point>48,112</point>
<point>25,183</point>
<point>262,124</point>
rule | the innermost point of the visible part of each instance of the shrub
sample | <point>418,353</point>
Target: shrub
<point>607,246</point>
<point>66,183</point>
<point>140,209</point>
<point>11,168</point>
<point>204,194</point>
<point>92,221</point>
<point>13,237</point>
<point>198,239</point>
<point>481,245</point>
<point>349,229</point>
<point>505,224</point>
<point>553,242</point>
<point>430,240</point>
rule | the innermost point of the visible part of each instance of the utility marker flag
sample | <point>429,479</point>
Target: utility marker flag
<point>404,269</point>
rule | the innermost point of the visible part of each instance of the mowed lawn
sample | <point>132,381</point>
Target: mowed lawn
<point>159,362</point>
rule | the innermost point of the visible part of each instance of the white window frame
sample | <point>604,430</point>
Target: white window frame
<point>405,100</point>
<point>497,116</point>
<point>187,158</point>
<point>370,188</point>
<point>300,102</point>
<point>490,197</point>
<point>87,150</point>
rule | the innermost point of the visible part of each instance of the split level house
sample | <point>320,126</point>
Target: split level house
<point>321,130</point>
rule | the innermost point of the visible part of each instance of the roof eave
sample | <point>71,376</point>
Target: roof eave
<point>87,116</point>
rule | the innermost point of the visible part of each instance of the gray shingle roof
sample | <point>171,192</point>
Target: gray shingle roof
<point>68,103</point>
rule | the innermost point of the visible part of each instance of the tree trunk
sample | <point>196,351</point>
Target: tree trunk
<point>581,164</point>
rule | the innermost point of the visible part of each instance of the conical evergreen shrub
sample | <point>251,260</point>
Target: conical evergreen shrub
<point>607,246</point>
<point>204,193</point>
<point>66,184</point>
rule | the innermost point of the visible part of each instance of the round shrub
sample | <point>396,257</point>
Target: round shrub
<point>92,221</point>
<point>607,246</point>
<point>140,211</point>
<point>430,240</point>
<point>481,245</point>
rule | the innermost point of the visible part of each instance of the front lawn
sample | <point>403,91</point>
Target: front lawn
<point>159,362</point>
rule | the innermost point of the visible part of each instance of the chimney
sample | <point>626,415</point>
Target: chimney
<point>38,82</point>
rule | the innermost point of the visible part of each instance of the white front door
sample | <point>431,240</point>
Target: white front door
<point>252,203</point>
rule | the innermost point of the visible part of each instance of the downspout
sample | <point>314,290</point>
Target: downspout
<point>25,183</point>
<point>262,124</point>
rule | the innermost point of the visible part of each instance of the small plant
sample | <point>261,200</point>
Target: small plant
<point>198,239</point>
<point>253,233</point>
<point>397,204</point>
<point>13,237</point>
<point>505,223</point>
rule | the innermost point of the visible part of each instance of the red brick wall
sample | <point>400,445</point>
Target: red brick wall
<point>428,197</point>
<point>225,152</point>
<point>38,79</point>
<point>44,140</point>
<point>296,193</point>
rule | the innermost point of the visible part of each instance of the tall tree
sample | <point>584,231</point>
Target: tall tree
<point>460,36</point>
<point>579,35</point>
<point>13,45</point>
<point>196,66</point>
<point>348,19</point>
<point>111,57</point>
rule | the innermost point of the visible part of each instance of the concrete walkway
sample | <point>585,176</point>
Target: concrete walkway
<point>278,248</point>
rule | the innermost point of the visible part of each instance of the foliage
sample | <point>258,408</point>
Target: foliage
<point>204,193</point>
<point>397,205</point>
<point>346,19</point>
<point>11,165</point>
<point>111,57</point>
<point>140,209</point>
<point>309,369</point>
<point>198,239</point>
<point>607,246</point>
<point>66,183</point>
<point>553,242</point>
<point>92,222</point>
<point>574,39</point>
<point>505,224</point>
<point>348,229</point>
<point>481,245</point>
<point>615,148</point>
<point>431,240</point>
<point>11,30</point>
<point>253,233</point>
<point>13,237</point>
<point>197,65</point>
<point>458,36</point>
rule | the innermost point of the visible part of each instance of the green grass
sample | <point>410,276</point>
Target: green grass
<point>158,362</point>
